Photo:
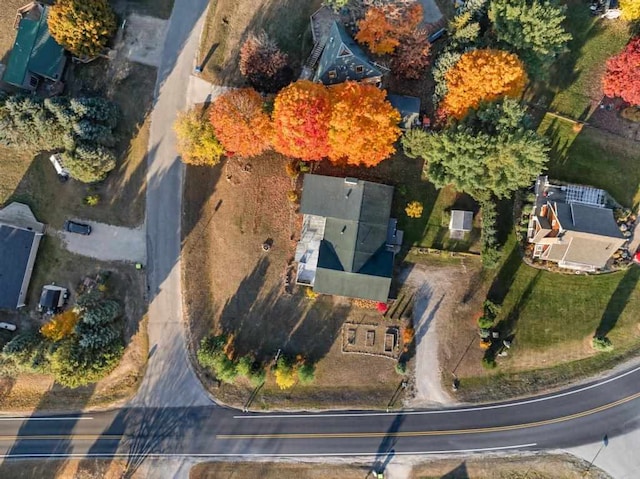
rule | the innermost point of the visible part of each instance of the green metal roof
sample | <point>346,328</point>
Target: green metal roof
<point>35,51</point>
<point>353,260</point>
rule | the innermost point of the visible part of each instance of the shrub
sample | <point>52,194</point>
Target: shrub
<point>92,200</point>
<point>60,326</point>
<point>336,5</point>
<point>263,63</point>
<point>257,376</point>
<point>414,209</point>
<point>82,26</point>
<point>602,344</point>
<point>291,169</point>
<point>485,322</point>
<point>292,196</point>
<point>285,373</point>
<point>401,368</point>
<point>307,373</point>
<point>489,362</point>
<point>310,293</point>
<point>490,253</point>
<point>631,113</point>
<point>382,307</point>
<point>490,308</point>
<point>244,366</point>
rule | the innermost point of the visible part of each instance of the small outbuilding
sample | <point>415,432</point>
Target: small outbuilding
<point>52,298</point>
<point>461,222</point>
<point>409,109</point>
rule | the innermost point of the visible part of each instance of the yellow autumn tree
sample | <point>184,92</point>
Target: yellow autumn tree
<point>480,76</point>
<point>363,126</point>
<point>60,326</point>
<point>414,209</point>
<point>630,9</point>
<point>197,142</point>
<point>285,373</point>
<point>82,27</point>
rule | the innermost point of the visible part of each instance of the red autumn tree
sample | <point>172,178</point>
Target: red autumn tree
<point>412,55</point>
<point>622,78</point>
<point>363,126</point>
<point>382,28</point>
<point>479,76</point>
<point>263,63</point>
<point>240,122</point>
<point>301,115</point>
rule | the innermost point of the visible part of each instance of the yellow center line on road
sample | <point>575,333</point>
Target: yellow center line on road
<point>349,435</point>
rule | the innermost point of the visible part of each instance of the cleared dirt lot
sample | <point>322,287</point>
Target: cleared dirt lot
<point>232,286</point>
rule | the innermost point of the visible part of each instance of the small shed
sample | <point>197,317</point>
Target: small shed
<point>461,222</point>
<point>35,54</point>
<point>409,109</point>
<point>52,298</point>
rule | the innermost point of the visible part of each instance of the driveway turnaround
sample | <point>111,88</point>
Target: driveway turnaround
<point>108,243</point>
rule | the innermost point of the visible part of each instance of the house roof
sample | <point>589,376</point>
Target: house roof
<point>591,251</point>
<point>34,50</point>
<point>16,246</point>
<point>588,219</point>
<point>342,56</point>
<point>461,220</point>
<point>354,242</point>
<point>408,107</point>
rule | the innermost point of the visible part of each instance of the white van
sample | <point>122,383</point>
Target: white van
<point>56,161</point>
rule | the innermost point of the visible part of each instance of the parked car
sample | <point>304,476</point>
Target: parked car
<point>8,326</point>
<point>56,161</point>
<point>78,228</point>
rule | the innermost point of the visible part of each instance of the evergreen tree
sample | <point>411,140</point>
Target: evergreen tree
<point>533,28</point>
<point>491,152</point>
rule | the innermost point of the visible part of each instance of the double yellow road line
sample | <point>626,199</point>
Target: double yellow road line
<point>451,432</point>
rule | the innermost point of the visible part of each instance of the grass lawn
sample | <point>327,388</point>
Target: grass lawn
<point>576,78</point>
<point>594,157</point>
<point>230,21</point>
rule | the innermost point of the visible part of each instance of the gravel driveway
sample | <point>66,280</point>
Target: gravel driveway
<point>435,293</point>
<point>108,243</point>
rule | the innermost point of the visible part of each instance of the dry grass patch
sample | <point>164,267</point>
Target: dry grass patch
<point>65,469</point>
<point>274,470</point>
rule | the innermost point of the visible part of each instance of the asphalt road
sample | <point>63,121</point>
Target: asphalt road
<point>563,420</point>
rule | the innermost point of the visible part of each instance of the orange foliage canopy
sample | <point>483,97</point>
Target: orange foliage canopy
<point>482,75</point>
<point>61,326</point>
<point>382,32</point>
<point>301,116</point>
<point>363,126</point>
<point>240,123</point>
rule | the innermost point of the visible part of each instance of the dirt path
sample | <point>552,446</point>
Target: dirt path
<point>108,243</point>
<point>438,289</point>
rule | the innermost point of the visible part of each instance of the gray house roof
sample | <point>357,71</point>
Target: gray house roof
<point>353,259</point>
<point>342,59</point>
<point>19,240</point>
<point>461,220</point>
<point>588,219</point>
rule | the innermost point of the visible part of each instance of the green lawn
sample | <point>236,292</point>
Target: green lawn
<point>577,74</point>
<point>594,157</point>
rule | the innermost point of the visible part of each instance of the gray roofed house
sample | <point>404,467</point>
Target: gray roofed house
<point>572,226</point>
<point>348,239</point>
<point>342,59</point>
<point>20,235</point>
<point>409,109</point>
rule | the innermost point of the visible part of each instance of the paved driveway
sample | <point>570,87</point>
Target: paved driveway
<point>108,243</point>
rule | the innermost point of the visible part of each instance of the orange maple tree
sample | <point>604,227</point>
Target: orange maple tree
<point>60,326</point>
<point>363,125</point>
<point>240,122</point>
<point>301,115</point>
<point>382,31</point>
<point>479,76</point>
<point>622,77</point>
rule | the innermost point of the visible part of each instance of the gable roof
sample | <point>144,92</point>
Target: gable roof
<point>342,55</point>
<point>588,219</point>
<point>353,259</point>
<point>34,50</point>
<point>15,250</point>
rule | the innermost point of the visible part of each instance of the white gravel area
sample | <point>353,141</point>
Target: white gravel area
<point>108,243</point>
<point>432,304</point>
